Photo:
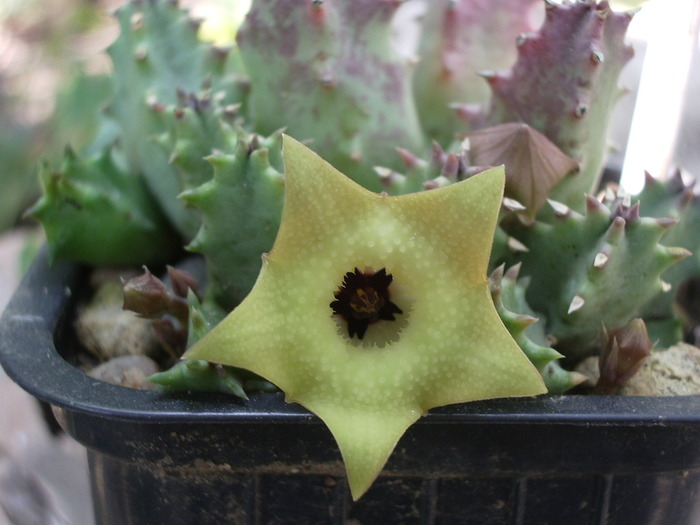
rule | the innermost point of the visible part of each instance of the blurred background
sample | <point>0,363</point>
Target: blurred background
<point>51,61</point>
<point>52,65</point>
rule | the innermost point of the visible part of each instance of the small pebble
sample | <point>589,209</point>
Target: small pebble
<point>671,372</point>
<point>106,330</point>
<point>129,370</point>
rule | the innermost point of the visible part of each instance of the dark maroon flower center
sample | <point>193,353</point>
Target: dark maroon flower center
<point>363,299</point>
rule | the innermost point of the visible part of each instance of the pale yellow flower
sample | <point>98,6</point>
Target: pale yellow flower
<point>447,345</point>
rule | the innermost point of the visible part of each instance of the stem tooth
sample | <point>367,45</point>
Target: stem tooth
<point>438,156</point>
<point>666,222</point>
<point>497,275</point>
<point>408,158</point>
<point>516,246</point>
<point>140,54</point>
<point>649,179</point>
<point>617,230</point>
<point>451,167</point>
<point>526,320</point>
<point>137,21</point>
<point>512,205</point>
<point>576,304</point>
<point>594,205</point>
<point>601,259</point>
<point>384,173</point>
<point>677,253</point>
<point>687,197</point>
<point>513,271</point>
<point>560,209</point>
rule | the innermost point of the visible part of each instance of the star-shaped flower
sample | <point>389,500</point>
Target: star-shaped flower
<point>445,343</point>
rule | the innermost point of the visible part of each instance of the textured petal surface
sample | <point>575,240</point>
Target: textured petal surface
<point>448,346</point>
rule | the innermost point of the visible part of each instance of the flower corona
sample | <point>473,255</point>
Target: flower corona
<point>364,299</point>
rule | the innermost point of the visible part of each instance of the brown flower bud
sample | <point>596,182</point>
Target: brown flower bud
<point>182,281</point>
<point>146,295</point>
<point>623,353</point>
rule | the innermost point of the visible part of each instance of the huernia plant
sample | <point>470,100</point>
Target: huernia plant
<point>343,195</point>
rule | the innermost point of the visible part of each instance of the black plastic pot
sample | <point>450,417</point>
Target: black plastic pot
<point>209,459</point>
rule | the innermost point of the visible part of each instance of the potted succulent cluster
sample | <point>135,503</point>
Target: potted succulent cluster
<point>378,236</point>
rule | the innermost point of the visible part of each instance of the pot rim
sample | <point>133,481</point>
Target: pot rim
<point>27,331</point>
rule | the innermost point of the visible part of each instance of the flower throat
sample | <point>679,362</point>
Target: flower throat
<point>364,299</point>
